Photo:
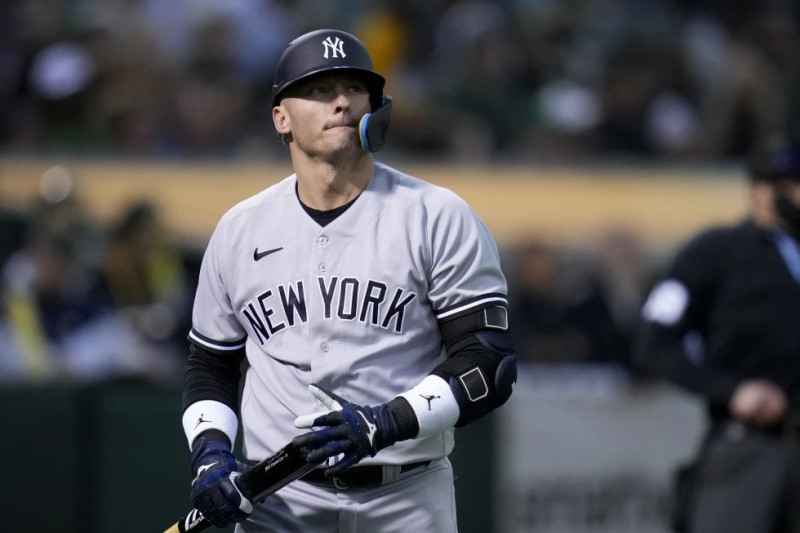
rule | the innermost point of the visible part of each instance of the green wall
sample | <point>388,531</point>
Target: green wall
<point>112,458</point>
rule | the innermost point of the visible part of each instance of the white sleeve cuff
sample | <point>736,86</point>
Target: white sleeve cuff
<point>434,404</point>
<point>209,414</point>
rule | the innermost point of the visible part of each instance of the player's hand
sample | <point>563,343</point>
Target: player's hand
<point>356,431</point>
<point>759,402</point>
<point>214,492</point>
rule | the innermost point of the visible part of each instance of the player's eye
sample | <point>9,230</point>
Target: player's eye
<point>318,89</point>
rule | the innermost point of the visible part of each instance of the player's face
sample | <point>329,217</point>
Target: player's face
<point>322,114</point>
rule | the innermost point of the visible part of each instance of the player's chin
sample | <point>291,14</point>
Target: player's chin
<point>346,145</point>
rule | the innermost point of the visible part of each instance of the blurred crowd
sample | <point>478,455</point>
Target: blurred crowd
<point>84,301</point>
<point>507,80</point>
<point>580,303</point>
<point>472,80</point>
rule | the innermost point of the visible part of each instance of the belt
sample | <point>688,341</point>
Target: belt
<point>362,477</point>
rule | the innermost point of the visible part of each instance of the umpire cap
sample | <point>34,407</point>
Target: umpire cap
<point>321,51</point>
<point>776,161</point>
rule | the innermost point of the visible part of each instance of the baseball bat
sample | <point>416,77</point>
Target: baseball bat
<point>256,483</point>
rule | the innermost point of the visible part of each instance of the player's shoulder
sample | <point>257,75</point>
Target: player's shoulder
<point>419,190</point>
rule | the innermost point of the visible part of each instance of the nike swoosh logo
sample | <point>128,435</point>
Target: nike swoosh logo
<point>261,255</point>
<point>372,429</point>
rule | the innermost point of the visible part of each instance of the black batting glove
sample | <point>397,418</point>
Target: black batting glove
<point>214,471</point>
<point>356,431</point>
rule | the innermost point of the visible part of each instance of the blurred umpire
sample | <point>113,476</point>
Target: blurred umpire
<point>725,324</point>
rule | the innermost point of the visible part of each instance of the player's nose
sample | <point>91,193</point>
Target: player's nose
<point>341,100</point>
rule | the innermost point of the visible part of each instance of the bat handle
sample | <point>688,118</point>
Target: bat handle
<point>274,472</point>
<point>191,523</point>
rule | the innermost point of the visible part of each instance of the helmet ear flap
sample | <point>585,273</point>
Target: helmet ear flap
<point>373,126</point>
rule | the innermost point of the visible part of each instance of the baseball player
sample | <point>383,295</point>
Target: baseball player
<point>370,308</point>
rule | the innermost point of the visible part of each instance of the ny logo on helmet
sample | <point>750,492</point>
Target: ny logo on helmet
<point>336,47</point>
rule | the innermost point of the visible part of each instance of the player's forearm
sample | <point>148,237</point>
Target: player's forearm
<point>405,418</point>
<point>477,378</point>
<point>210,393</point>
<point>432,405</point>
<point>210,376</point>
<point>206,415</point>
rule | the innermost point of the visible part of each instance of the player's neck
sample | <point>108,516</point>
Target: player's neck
<point>324,186</point>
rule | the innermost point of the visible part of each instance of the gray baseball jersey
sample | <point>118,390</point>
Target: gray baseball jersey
<point>353,306</point>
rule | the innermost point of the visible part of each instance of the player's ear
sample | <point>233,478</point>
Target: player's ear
<point>281,120</point>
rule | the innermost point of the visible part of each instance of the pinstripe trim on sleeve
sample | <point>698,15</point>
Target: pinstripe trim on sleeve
<point>473,303</point>
<point>211,344</point>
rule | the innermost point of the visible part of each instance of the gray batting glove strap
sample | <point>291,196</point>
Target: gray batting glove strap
<point>355,431</point>
<point>214,489</point>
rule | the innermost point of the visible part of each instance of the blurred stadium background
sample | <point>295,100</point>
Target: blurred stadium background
<point>591,135</point>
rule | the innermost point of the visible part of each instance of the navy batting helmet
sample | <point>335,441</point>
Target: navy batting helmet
<point>326,50</point>
<point>321,51</point>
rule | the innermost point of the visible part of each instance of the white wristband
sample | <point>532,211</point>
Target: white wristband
<point>434,404</point>
<point>209,414</point>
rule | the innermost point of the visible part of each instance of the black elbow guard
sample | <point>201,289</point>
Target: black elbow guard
<point>482,373</point>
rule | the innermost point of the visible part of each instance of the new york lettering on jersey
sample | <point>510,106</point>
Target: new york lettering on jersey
<point>371,302</point>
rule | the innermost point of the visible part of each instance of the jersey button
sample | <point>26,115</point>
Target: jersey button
<point>324,347</point>
<point>323,267</point>
<point>323,240</point>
